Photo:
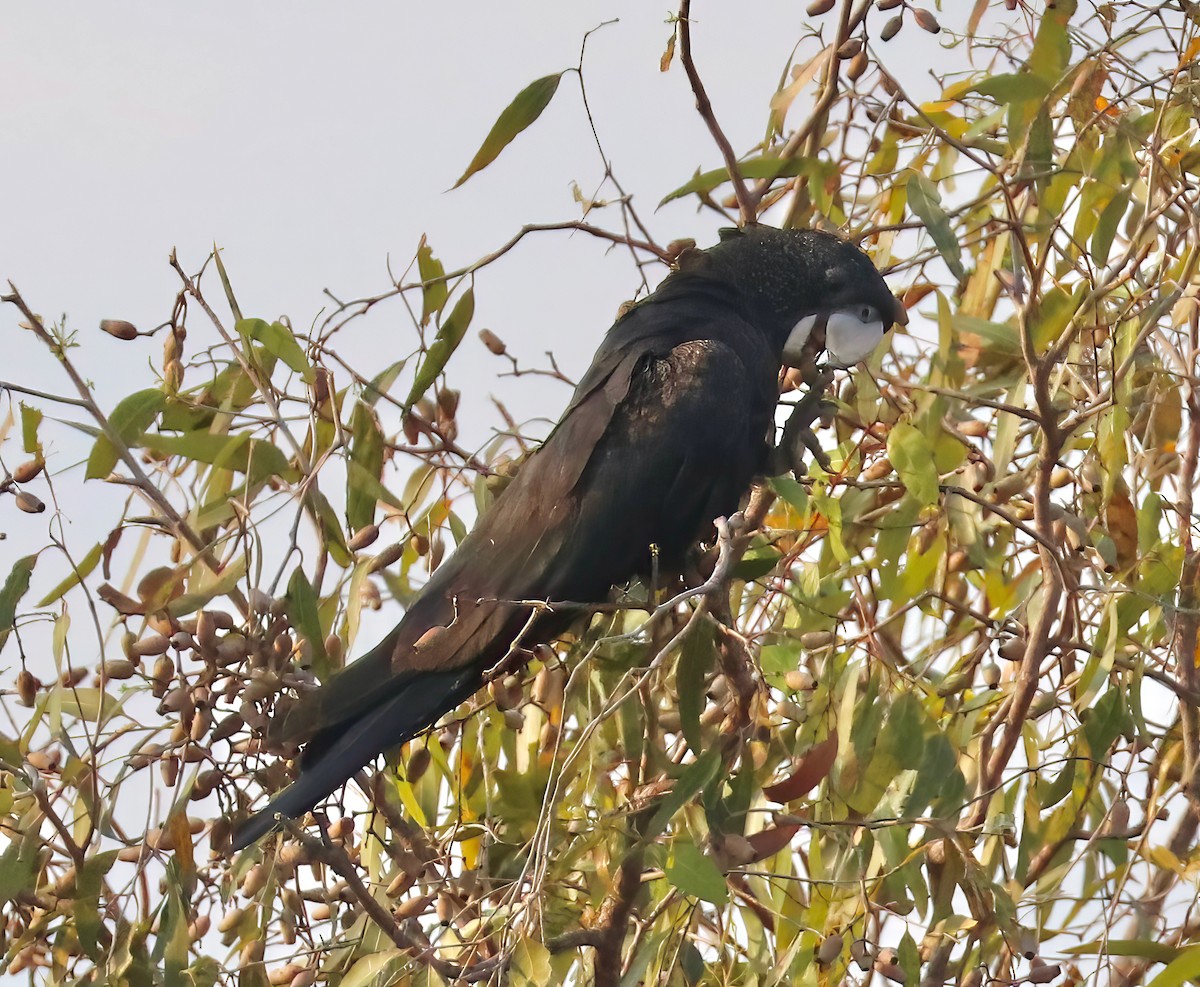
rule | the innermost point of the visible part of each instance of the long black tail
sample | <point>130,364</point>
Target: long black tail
<point>346,747</point>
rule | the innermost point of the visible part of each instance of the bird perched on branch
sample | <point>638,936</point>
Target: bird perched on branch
<point>665,432</point>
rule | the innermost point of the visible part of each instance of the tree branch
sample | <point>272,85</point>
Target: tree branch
<point>747,201</point>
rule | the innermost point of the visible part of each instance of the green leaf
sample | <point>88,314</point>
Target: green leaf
<point>434,290</point>
<point>328,523</point>
<point>1108,718</point>
<point>1050,793</point>
<point>87,901</point>
<point>926,204</point>
<point>381,383</point>
<point>449,335</point>
<point>136,413</point>
<point>233,387</point>
<point>302,606</point>
<point>279,341</point>
<point>367,485</point>
<point>102,460</point>
<point>87,704</point>
<point>1013,87</point>
<point>1000,337</point>
<point>757,561</point>
<point>204,972</point>
<point>938,777</point>
<point>904,731</point>
<point>15,587</point>
<point>792,492</point>
<point>1184,968</point>
<point>129,419</point>
<point>366,453</point>
<point>909,959</point>
<point>694,874</point>
<point>767,166</point>
<point>78,574</point>
<point>1052,47</point>
<point>458,528</point>
<point>257,458</point>
<point>18,866</point>
<point>691,963</point>
<point>1148,948</point>
<point>233,305</point>
<point>693,778</point>
<point>519,114</point>
<point>1055,314</point>
<point>830,508</point>
<point>31,418</point>
<point>912,456</point>
<point>376,968</point>
<point>696,658</point>
<point>530,963</point>
<point>1106,227</point>
<point>208,586</point>
<point>779,659</point>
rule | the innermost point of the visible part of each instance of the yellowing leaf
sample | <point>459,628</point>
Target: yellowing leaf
<point>912,456</point>
<point>1184,969</point>
<point>376,968</point>
<point>766,166</point>
<point>1120,518</point>
<point>530,964</point>
<point>31,418</point>
<point>434,291</point>
<point>802,75</point>
<point>129,419</point>
<point>664,63</point>
<point>86,565</point>
<point>519,114</point>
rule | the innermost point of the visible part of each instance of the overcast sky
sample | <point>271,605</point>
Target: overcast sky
<point>311,141</point>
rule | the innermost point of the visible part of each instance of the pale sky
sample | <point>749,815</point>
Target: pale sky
<point>312,141</point>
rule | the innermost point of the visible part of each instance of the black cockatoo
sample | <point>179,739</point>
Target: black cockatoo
<point>664,434</point>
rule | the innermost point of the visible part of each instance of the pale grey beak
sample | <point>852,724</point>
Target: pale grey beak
<point>849,339</point>
<point>848,335</point>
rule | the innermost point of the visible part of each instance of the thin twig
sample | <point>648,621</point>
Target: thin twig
<point>746,200</point>
<point>179,525</point>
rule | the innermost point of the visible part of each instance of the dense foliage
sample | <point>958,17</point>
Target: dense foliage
<point>933,722</point>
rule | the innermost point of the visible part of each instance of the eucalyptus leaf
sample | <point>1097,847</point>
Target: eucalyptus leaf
<point>519,114</point>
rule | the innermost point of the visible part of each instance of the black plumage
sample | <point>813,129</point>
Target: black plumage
<point>664,433</point>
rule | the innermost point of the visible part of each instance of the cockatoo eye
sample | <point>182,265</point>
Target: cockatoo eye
<point>868,314</point>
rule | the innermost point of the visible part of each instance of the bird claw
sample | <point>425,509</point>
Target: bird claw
<point>798,436</point>
<point>810,442</point>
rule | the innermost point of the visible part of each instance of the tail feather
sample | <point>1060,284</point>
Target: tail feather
<point>398,717</point>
